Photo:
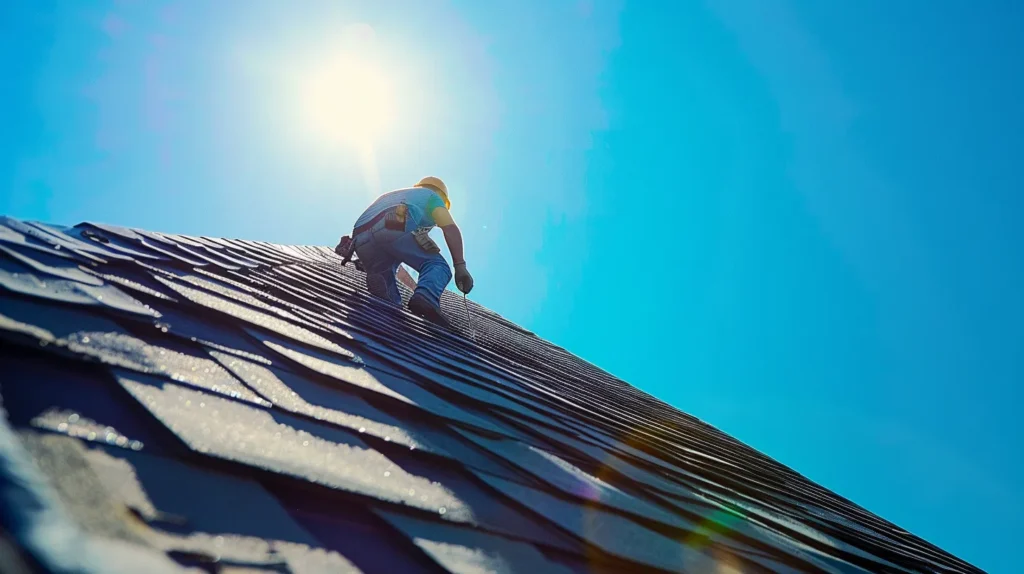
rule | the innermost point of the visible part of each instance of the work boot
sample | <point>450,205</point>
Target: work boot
<point>420,305</point>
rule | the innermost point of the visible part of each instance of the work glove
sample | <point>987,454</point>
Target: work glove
<point>463,280</point>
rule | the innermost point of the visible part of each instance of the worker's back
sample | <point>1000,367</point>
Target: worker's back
<point>420,202</point>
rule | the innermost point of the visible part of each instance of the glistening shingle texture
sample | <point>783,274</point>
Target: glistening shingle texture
<point>208,405</point>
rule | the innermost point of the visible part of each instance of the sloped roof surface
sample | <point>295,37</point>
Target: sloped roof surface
<point>198,404</point>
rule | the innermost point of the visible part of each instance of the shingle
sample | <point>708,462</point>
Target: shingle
<point>197,250</point>
<point>75,425</point>
<point>293,393</point>
<point>192,328</point>
<point>488,509</point>
<point>692,505</point>
<point>22,279</point>
<point>449,381</point>
<point>63,461</point>
<point>254,317</point>
<point>432,403</point>
<point>205,500</point>
<point>39,389</point>
<point>356,533</point>
<point>123,244</point>
<point>231,519</point>
<point>302,559</point>
<point>173,255</point>
<point>604,458</point>
<point>222,249</point>
<point>28,245</point>
<point>376,381</point>
<point>236,293</point>
<point>180,251</point>
<point>32,233</point>
<point>71,237</point>
<point>167,358</point>
<point>468,454</point>
<point>259,250</point>
<point>284,444</point>
<point>245,284</point>
<point>47,265</point>
<point>466,551</point>
<point>782,531</point>
<point>612,533</point>
<point>87,539</point>
<point>342,368</point>
<point>13,329</point>
<point>138,284</point>
<point>573,481</point>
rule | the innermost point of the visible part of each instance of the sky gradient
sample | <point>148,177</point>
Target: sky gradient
<point>797,220</point>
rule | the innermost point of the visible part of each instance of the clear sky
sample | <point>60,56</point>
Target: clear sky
<point>798,220</point>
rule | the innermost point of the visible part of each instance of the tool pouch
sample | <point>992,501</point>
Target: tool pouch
<point>395,219</point>
<point>426,243</point>
<point>345,247</point>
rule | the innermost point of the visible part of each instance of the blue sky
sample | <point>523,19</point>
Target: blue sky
<point>797,220</point>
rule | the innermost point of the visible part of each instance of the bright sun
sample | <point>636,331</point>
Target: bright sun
<point>345,100</point>
<point>348,100</point>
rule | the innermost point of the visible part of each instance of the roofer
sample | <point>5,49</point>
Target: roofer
<point>394,229</point>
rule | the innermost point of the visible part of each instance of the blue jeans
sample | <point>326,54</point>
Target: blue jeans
<point>381,250</point>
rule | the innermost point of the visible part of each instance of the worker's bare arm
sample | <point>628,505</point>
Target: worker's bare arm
<point>453,237</point>
<point>452,234</point>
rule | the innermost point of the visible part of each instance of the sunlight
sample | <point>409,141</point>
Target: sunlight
<point>344,100</point>
<point>336,98</point>
<point>347,99</point>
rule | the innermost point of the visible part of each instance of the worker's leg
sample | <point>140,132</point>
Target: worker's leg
<point>382,284</point>
<point>380,265</point>
<point>434,273</point>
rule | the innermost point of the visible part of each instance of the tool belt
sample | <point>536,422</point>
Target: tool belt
<point>394,219</point>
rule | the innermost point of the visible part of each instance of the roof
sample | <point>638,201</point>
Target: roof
<point>180,403</point>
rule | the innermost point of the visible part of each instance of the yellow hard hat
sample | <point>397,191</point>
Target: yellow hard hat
<point>437,185</point>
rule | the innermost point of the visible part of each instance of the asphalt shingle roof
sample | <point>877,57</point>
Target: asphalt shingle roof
<point>210,405</point>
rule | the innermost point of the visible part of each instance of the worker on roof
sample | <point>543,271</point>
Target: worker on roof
<point>394,230</point>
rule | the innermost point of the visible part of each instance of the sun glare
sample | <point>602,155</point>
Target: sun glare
<point>348,99</point>
<point>344,100</point>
